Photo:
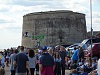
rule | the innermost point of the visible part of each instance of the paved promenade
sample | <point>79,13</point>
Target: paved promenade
<point>8,71</point>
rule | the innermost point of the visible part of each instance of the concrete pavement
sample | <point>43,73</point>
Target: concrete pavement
<point>8,71</point>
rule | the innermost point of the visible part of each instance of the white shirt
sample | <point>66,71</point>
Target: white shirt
<point>32,62</point>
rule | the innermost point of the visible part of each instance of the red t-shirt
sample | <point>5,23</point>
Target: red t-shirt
<point>47,70</point>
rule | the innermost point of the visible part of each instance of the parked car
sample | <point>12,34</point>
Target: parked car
<point>65,45</point>
<point>74,45</point>
<point>95,50</point>
<point>71,47</point>
<point>87,42</point>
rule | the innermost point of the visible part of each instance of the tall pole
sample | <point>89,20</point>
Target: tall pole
<point>91,24</point>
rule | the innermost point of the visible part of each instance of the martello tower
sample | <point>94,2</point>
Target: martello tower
<point>52,28</point>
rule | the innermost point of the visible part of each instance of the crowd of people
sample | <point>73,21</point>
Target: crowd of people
<point>47,61</point>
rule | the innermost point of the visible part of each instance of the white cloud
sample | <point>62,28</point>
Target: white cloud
<point>4,8</point>
<point>96,20</point>
<point>6,19</point>
<point>12,11</point>
<point>96,14</point>
<point>9,39</point>
<point>5,1</point>
<point>19,8</point>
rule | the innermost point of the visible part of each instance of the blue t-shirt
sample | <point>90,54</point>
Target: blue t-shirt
<point>96,73</point>
<point>75,55</point>
<point>83,73</point>
<point>94,65</point>
<point>21,60</point>
<point>74,74</point>
<point>46,60</point>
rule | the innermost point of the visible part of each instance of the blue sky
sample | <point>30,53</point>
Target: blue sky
<point>12,11</point>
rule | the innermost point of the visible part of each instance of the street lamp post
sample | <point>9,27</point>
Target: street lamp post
<point>91,24</point>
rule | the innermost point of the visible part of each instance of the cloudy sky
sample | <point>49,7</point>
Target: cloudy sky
<point>12,11</point>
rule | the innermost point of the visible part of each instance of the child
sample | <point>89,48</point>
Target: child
<point>94,72</point>
<point>94,64</point>
<point>87,66</point>
<point>82,72</point>
<point>2,71</point>
<point>68,63</point>
<point>73,72</point>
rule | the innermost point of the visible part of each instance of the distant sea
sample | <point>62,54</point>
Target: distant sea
<point>1,49</point>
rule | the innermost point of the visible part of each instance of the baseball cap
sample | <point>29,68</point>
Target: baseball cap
<point>44,48</point>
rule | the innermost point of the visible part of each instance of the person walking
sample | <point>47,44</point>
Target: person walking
<point>46,64</point>
<point>11,61</point>
<point>7,59</point>
<point>63,56</point>
<point>57,60</point>
<point>21,63</point>
<point>38,55</point>
<point>32,61</point>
